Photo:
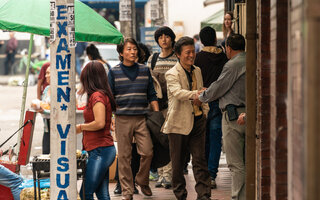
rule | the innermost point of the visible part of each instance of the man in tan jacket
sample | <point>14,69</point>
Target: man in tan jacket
<point>185,122</point>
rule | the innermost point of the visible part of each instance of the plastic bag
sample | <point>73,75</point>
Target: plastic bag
<point>28,183</point>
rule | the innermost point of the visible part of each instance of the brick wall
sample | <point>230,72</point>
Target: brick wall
<point>278,91</point>
<point>295,103</point>
<point>280,166</point>
<point>263,95</point>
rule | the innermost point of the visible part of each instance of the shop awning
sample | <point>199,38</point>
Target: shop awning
<point>215,21</point>
<point>210,2</point>
<point>111,3</point>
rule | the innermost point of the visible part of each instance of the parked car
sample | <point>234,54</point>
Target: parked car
<point>109,53</point>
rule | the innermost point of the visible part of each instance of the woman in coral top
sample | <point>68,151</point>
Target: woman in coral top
<point>97,139</point>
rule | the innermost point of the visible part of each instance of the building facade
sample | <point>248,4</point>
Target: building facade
<point>185,16</point>
<point>282,42</point>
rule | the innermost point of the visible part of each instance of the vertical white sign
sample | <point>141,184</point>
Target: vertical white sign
<point>71,26</point>
<point>154,4</point>
<point>125,10</point>
<point>52,21</point>
<point>63,179</point>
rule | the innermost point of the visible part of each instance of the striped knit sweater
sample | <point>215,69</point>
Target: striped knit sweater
<point>131,94</point>
<point>161,67</point>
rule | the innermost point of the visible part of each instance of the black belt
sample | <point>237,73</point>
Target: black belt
<point>224,109</point>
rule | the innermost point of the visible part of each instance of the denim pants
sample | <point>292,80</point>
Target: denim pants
<point>97,173</point>
<point>46,136</point>
<point>10,180</point>
<point>78,65</point>
<point>213,138</point>
<point>9,62</point>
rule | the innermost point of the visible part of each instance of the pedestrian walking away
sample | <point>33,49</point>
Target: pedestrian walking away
<point>94,54</point>
<point>230,90</point>
<point>11,50</point>
<point>97,139</point>
<point>79,50</point>
<point>43,106</point>
<point>197,43</point>
<point>211,60</point>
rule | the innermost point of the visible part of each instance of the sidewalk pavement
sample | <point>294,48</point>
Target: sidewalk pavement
<point>222,192</point>
<point>18,79</point>
<point>15,79</point>
<point>4,79</point>
<point>223,180</point>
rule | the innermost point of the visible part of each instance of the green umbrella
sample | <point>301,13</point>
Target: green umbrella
<point>33,16</point>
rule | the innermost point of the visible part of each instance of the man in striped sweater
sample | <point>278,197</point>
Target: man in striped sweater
<point>160,63</point>
<point>132,87</point>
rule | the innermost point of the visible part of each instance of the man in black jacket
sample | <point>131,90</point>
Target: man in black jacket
<point>211,60</point>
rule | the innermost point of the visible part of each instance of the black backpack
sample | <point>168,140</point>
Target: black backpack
<point>154,60</point>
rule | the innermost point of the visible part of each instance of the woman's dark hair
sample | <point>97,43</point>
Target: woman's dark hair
<point>182,42</point>
<point>236,42</point>
<point>230,13</point>
<point>224,28</point>
<point>145,53</point>
<point>120,47</point>
<point>167,31</point>
<point>93,51</point>
<point>208,36</point>
<point>94,78</point>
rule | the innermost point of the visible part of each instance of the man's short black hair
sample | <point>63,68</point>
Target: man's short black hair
<point>208,36</point>
<point>120,47</point>
<point>145,52</point>
<point>196,36</point>
<point>167,31</point>
<point>236,42</point>
<point>182,42</point>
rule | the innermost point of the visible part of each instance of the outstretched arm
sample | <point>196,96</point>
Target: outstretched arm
<point>221,86</point>
<point>174,86</point>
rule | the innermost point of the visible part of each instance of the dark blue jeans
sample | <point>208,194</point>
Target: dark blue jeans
<point>9,62</point>
<point>46,136</point>
<point>97,173</point>
<point>213,138</point>
<point>78,65</point>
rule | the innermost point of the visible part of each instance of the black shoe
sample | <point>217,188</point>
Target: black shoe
<point>117,190</point>
<point>158,184</point>
<point>166,184</point>
<point>135,190</point>
<point>145,189</point>
<point>213,184</point>
<point>204,198</point>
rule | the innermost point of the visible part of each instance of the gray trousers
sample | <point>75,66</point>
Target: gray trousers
<point>234,146</point>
